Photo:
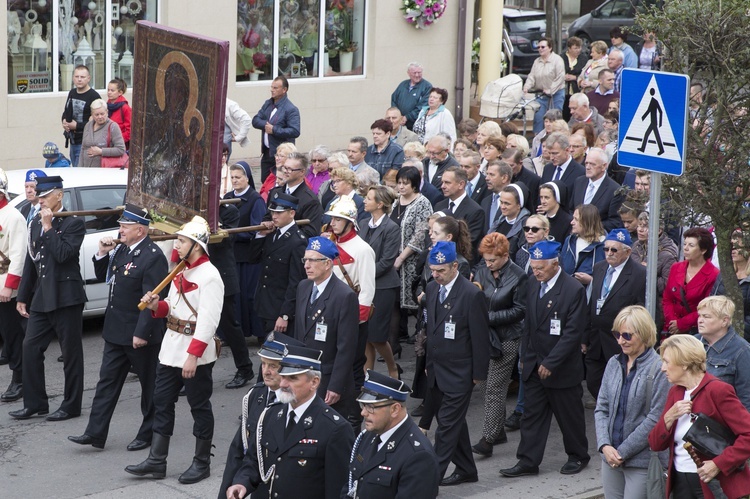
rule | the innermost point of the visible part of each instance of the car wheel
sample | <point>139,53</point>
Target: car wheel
<point>586,44</point>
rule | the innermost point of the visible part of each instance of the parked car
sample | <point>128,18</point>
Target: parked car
<point>525,28</point>
<point>85,189</point>
<point>596,24</point>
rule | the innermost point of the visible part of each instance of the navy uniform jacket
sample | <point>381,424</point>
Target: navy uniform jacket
<point>309,207</point>
<point>629,289</point>
<point>133,274</point>
<point>406,466</point>
<point>454,364</point>
<point>337,305</point>
<point>280,273</point>
<point>311,463</point>
<point>254,402</point>
<point>55,279</point>
<point>222,252</point>
<point>561,354</point>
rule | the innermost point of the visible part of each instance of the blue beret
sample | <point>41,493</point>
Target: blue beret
<point>324,246</point>
<point>443,252</point>
<point>298,360</point>
<point>381,388</point>
<point>544,250</point>
<point>620,235</point>
<point>32,175</point>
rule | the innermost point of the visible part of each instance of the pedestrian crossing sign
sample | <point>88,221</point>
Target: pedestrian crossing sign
<point>653,121</point>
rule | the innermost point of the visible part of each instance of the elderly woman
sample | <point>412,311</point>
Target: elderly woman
<point>535,229</point>
<point>584,247</point>
<point>520,143</point>
<point>487,129</point>
<point>101,137</point>
<point>696,392</point>
<point>504,286</point>
<point>493,147</point>
<point>274,178</point>
<point>415,150</point>
<point>553,198</point>
<point>589,77</point>
<point>344,184</point>
<point>631,398</point>
<point>689,282</point>
<point>435,118</point>
<point>318,173</point>
<point>461,146</point>
<point>513,215</point>
<point>384,236</point>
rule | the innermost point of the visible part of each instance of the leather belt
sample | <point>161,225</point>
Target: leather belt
<point>181,326</point>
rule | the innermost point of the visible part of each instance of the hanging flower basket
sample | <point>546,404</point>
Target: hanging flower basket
<point>422,13</point>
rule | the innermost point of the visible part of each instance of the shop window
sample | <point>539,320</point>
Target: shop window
<point>97,33</point>
<point>288,37</point>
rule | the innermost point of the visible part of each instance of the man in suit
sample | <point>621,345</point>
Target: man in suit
<point>460,205</point>
<point>400,134</point>
<point>32,207</point>
<point>552,365</point>
<point>562,166</point>
<point>304,444</point>
<point>432,193</point>
<point>280,254</point>
<point>438,160</point>
<point>355,153</point>
<point>279,121</point>
<point>392,457</point>
<point>52,274</point>
<point>308,205</point>
<point>326,317</point>
<point>498,177</point>
<point>458,349</point>
<point>618,282</point>
<point>131,267</point>
<point>255,401</point>
<point>13,249</point>
<point>598,189</point>
<point>476,185</point>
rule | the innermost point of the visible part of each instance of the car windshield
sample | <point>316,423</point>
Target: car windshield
<point>518,24</point>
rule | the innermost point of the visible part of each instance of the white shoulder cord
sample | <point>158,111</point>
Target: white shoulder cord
<point>244,420</point>
<point>352,491</point>
<point>265,476</point>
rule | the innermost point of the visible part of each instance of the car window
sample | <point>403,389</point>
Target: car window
<point>518,24</point>
<point>101,198</point>
<point>617,9</point>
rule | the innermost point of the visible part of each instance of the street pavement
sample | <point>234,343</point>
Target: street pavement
<point>37,460</point>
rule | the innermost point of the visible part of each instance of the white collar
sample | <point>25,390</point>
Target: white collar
<point>282,230</point>
<point>300,410</point>
<point>458,201</point>
<point>322,285</point>
<point>375,224</point>
<point>553,281</point>
<point>385,436</point>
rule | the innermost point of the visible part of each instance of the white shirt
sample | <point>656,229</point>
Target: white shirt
<point>281,231</point>
<point>562,167</point>
<point>299,411</point>
<point>449,286</point>
<point>322,285</point>
<point>373,224</point>
<point>457,202</point>
<point>388,434</point>
<point>474,183</point>
<point>597,183</point>
<point>552,281</point>
<point>291,188</point>
<point>616,274</point>
<point>682,460</point>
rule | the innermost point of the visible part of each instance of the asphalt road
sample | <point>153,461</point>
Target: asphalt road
<point>37,460</point>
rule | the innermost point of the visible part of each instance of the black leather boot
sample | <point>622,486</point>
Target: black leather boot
<point>201,467</point>
<point>156,463</point>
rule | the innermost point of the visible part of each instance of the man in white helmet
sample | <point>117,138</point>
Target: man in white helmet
<point>12,255</point>
<point>188,353</point>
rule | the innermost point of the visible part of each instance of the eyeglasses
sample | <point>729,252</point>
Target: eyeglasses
<point>305,260</point>
<point>370,408</point>
<point>610,250</point>
<point>318,160</point>
<point>625,336</point>
<point>532,229</point>
<point>289,170</point>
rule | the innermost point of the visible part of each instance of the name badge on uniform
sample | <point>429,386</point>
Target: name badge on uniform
<point>599,305</point>
<point>321,330</point>
<point>450,329</point>
<point>555,327</point>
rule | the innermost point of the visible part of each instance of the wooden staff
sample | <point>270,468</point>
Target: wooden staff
<point>236,230</point>
<point>712,484</point>
<point>163,284</point>
<point>119,209</point>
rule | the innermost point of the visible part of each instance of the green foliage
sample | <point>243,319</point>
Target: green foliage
<point>707,40</point>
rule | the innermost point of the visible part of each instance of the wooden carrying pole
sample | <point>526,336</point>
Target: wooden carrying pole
<point>236,230</point>
<point>118,210</point>
<point>163,284</point>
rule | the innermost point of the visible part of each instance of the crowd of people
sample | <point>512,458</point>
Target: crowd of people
<point>519,263</point>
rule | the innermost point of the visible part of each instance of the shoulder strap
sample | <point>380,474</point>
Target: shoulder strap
<point>346,276</point>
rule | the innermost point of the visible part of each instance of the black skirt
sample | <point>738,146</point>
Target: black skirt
<point>380,323</point>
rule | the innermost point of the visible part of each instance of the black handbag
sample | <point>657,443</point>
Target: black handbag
<point>709,437</point>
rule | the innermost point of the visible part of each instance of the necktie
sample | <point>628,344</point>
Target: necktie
<point>288,191</point>
<point>542,289</point>
<point>607,282</point>
<point>314,295</point>
<point>589,194</point>
<point>290,425</point>
<point>443,293</point>
<point>375,445</point>
<point>469,189</point>
<point>32,214</point>
<point>276,236</point>
<point>558,173</point>
<point>271,398</point>
<point>493,211</point>
<point>451,206</point>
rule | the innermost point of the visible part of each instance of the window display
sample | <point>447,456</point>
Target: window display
<point>81,28</point>
<point>305,30</point>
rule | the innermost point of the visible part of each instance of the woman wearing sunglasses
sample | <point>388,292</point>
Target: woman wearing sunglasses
<point>624,413</point>
<point>535,229</point>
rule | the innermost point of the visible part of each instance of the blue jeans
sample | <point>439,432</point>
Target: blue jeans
<point>558,98</point>
<point>75,152</point>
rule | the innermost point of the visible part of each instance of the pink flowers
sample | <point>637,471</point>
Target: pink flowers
<point>423,13</point>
